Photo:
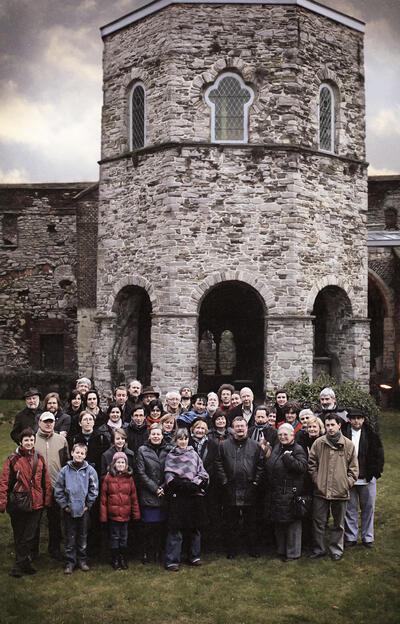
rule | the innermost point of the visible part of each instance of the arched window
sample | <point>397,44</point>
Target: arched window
<point>229,99</point>
<point>326,117</point>
<point>137,107</point>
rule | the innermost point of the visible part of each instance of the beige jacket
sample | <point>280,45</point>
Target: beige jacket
<point>333,470</point>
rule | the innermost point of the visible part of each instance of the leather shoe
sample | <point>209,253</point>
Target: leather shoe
<point>336,557</point>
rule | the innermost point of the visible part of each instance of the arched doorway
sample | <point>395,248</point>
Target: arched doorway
<point>231,338</point>
<point>131,352</point>
<point>333,334</point>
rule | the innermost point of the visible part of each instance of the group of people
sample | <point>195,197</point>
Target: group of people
<point>215,468</point>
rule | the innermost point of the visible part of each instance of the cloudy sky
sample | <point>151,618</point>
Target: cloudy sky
<point>50,85</point>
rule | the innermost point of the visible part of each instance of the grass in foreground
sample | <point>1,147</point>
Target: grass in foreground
<point>361,588</point>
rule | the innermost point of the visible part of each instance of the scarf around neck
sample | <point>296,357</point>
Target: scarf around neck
<point>185,464</point>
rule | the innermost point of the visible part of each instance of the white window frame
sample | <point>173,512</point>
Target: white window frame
<point>246,107</point>
<point>325,85</point>
<point>131,92</point>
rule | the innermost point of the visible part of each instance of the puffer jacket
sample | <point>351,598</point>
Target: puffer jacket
<point>285,473</point>
<point>119,501</point>
<point>333,470</point>
<point>76,488</point>
<point>240,469</point>
<point>150,473</point>
<point>18,468</point>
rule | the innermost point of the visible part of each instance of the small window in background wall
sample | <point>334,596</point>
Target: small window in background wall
<point>326,119</point>
<point>137,116</point>
<point>229,99</point>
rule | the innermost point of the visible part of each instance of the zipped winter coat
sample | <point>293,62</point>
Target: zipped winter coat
<point>370,453</point>
<point>240,468</point>
<point>119,501</point>
<point>18,469</point>
<point>76,488</point>
<point>137,436</point>
<point>150,474</point>
<point>54,449</point>
<point>333,469</point>
<point>285,473</point>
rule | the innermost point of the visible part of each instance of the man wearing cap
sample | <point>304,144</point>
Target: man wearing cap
<point>333,468</point>
<point>148,394</point>
<point>54,448</point>
<point>27,418</point>
<point>370,456</point>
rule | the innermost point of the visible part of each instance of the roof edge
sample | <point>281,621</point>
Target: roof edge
<point>148,7</point>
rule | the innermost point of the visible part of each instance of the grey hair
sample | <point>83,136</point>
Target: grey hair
<point>327,392</point>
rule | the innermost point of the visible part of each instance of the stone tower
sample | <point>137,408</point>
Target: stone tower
<point>233,196</point>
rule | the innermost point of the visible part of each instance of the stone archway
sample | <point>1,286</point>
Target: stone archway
<point>231,337</point>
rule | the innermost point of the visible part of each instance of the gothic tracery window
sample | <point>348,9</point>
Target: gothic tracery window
<point>326,116</point>
<point>137,116</point>
<point>229,99</point>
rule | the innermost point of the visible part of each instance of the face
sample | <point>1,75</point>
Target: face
<point>121,397</point>
<point>76,402</point>
<point>235,399</point>
<point>246,397</point>
<point>83,387</point>
<point>281,398</point>
<point>240,429</point>
<point>220,422</point>
<point>291,417</point>
<point>327,402</point>
<point>226,396</point>
<point>79,454</point>
<point>155,436</point>
<point>199,405</point>
<point>212,403</point>
<point>261,417</point>
<point>182,443</point>
<point>271,419</point>
<point>357,423</point>
<point>186,393</point>
<point>313,429</point>
<point>200,430</point>
<point>304,418</point>
<point>32,402</point>
<point>28,442</point>
<point>135,388</point>
<point>155,412</point>
<point>91,400</point>
<point>286,437</point>
<point>148,397</point>
<point>119,441</point>
<point>120,465</point>
<point>138,417</point>
<point>167,426</point>
<point>87,423</point>
<point>115,414</point>
<point>173,402</point>
<point>331,426</point>
<point>46,426</point>
<point>52,405</point>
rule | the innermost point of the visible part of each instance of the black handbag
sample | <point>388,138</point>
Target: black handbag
<point>302,506</point>
<point>22,501</point>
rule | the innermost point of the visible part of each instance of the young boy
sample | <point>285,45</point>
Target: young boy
<point>75,491</point>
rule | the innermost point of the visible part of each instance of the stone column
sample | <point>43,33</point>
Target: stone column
<point>103,349</point>
<point>361,333</point>
<point>174,351</point>
<point>289,349</point>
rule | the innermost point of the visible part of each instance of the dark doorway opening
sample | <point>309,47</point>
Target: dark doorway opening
<point>231,338</point>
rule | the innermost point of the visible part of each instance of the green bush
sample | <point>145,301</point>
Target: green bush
<point>13,386</point>
<point>348,394</point>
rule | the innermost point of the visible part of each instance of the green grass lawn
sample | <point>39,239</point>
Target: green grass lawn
<point>361,588</point>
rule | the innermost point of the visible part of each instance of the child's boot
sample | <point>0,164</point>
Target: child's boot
<point>122,559</point>
<point>115,559</point>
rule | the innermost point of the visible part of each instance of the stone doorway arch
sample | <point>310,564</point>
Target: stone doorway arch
<point>231,337</point>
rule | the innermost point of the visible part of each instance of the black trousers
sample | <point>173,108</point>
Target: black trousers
<point>55,531</point>
<point>24,525</point>
<point>241,524</point>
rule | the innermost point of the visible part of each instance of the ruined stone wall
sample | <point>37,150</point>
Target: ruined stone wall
<point>383,194</point>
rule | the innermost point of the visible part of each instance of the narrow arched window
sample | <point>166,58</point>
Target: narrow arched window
<point>229,99</point>
<point>137,116</point>
<point>326,119</point>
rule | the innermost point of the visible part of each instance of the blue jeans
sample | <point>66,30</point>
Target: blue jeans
<point>173,547</point>
<point>118,534</point>
<point>76,530</point>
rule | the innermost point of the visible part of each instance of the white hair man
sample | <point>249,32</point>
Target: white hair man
<point>246,409</point>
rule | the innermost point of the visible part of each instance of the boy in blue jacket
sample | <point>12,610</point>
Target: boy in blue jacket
<point>75,491</point>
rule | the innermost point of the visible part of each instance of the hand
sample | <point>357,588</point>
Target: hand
<point>85,509</point>
<point>67,509</point>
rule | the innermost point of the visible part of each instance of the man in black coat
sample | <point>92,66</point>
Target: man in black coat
<point>246,409</point>
<point>363,493</point>
<point>240,469</point>
<point>27,418</point>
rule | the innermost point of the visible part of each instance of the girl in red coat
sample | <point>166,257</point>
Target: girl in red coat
<point>118,504</point>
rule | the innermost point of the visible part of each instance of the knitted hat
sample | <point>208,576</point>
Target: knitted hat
<point>119,455</point>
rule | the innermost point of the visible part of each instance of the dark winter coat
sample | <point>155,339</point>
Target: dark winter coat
<point>26,418</point>
<point>270,434</point>
<point>370,452</point>
<point>285,478</point>
<point>137,436</point>
<point>99,441</point>
<point>107,456</point>
<point>150,473</point>
<point>119,501</point>
<point>17,474</point>
<point>240,469</point>
<point>208,455</point>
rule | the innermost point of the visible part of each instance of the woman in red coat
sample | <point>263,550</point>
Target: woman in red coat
<point>24,473</point>
<point>118,504</point>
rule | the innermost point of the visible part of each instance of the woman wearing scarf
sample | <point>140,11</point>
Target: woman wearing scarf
<point>186,480</point>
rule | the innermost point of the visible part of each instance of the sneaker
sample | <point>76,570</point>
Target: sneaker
<point>195,562</point>
<point>84,566</point>
<point>172,567</point>
<point>69,568</point>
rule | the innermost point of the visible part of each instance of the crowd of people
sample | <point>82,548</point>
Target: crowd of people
<point>166,480</point>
